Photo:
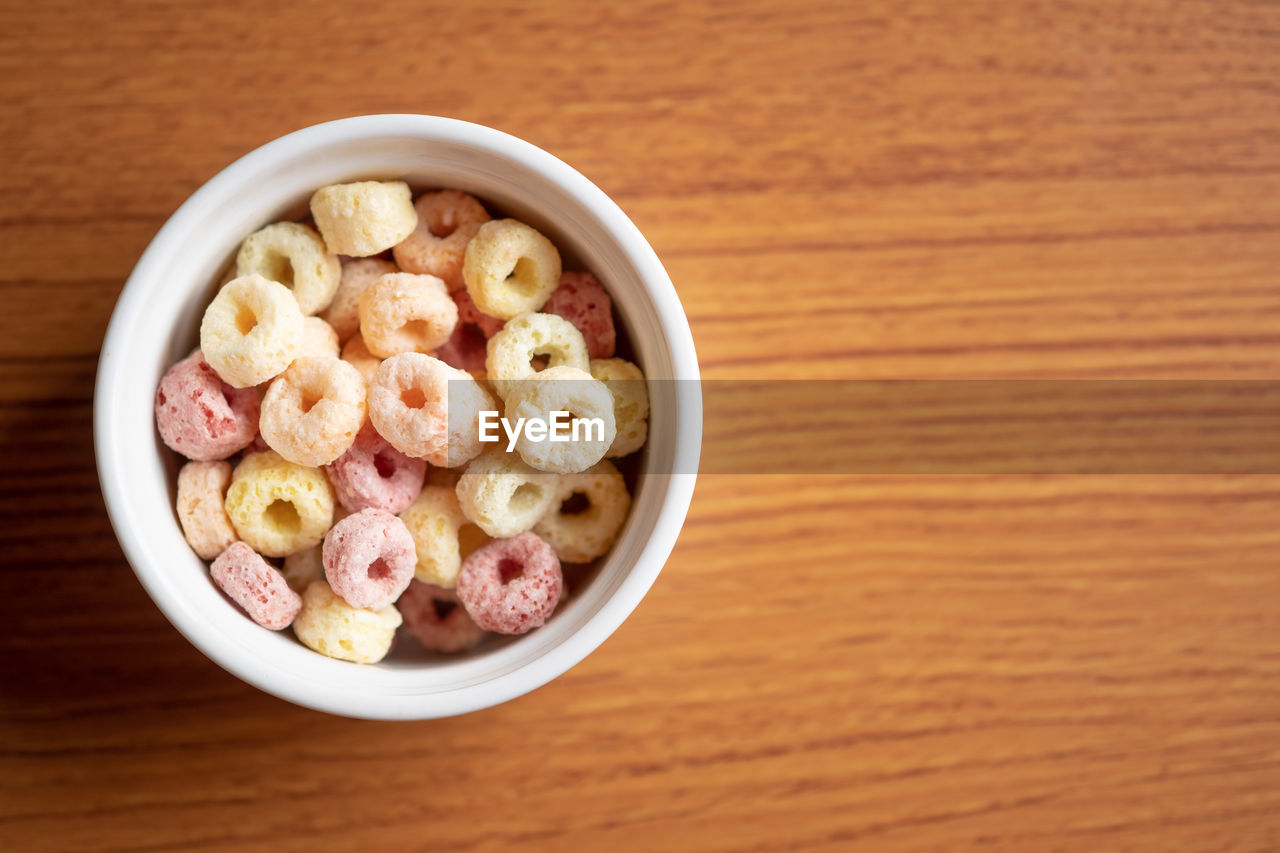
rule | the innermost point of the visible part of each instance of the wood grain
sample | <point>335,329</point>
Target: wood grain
<point>872,190</point>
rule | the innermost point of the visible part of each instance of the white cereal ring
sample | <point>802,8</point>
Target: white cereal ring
<point>278,507</point>
<point>591,427</point>
<point>510,268</point>
<point>251,331</point>
<point>202,490</point>
<point>502,495</point>
<point>312,411</point>
<point>586,534</point>
<point>630,403</point>
<point>343,312</point>
<point>441,534</point>
<point>358,356</point>
<point>318,338</point>
<point>330,626</point>
<point>511,351</point>
<point>365,217</point>
<point>427,409</point>
<point>295,256</point>
<point>401,312</point>
<point>447,220</point>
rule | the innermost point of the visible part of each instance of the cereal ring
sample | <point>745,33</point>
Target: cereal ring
<point>581,536</point>
<point>406,313</point>
<point>202,417</point>
<point>465,349</point>
<point>278,507</point>
<point>365,217</point>
<point>295,256</point>
<point>343,312</point>
<point>358,356</point>
<point>428,409</point>
<point>374,474</point>
<point>256,586</point>
<point>502,495</point>
<point>583,302</point>
<point>588,404</point>
<point>330,626</point>
<point>202,488</point>
<point>303,568</point>
<point>447,220</point>
<point>313,410</point>
<point>318,338</point>
<point>442,535</point>
<point>630,403</point>
<point>369,558</point>
<point>510,268</point>
<point>251,331</point>
<point>434,616</point>
<point>511,352</point>
<point>511,586</point>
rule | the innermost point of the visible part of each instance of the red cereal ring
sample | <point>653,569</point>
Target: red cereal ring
<point>202,417</point>
<point>369,558</point>
<point>511,586</point>
<point>465,349</point>
<point>374,475</point>
<point>256,586</point>
<point>434,616</point>
<point>583,302</point>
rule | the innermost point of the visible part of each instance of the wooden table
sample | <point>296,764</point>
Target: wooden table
<point>846,190</point>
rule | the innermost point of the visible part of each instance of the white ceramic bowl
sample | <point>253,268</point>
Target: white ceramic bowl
<point>155,322</point>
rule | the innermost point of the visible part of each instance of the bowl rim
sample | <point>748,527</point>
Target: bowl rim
<point>678,490</point>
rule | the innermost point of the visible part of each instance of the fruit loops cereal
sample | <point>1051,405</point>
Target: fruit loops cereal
<point>333,421</point>
<point>511,586</point>
<point>363,218</point>
<point>434,616</point>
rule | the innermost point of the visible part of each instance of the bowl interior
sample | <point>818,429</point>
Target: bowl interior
<point>155,324</point>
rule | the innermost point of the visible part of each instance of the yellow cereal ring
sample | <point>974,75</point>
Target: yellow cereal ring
<point>293,255</point>
<point>312,411</point>
<point>630,403</point>
<point>277,507</point>
<point>202,489</point>
<point>510,269</point>
<point>400,312</point>
<point>364,218</point>
<point>563,389</point>
<point>578,537</point>
<point>502,495</point>
<point>330,626</point>
<point>510,352</point>
<point>441,534</point>
<point>359,357</point>
<point>318,339</point>
<point>447,220</point>
<point>251,331</point>
<point>343,312</point>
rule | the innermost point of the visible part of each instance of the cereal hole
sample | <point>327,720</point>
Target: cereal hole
<point>509,569</point>
<point>470,538</point>
<point>576,504</point>
<point>525,497</point>
<point>540,362</point>
<point>384,464</point>
<point>280,268</point>
<point>442,227</point>
<point>246,320</point>
<point>283,516</point>
<point>442,608</point>
<point>309,400</point>
<point>413,398</point>
<point>379,570</point>
<point>417,330</point>
<point>521,277</point>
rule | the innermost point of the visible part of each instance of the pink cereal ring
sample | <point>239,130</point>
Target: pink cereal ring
<point>583,302</point>
<point>447,220</point>
<point>256,586</point>
<point>374,475</point>
<point>369,558</point>
<point>433,615</point>
<point>202,417</point>
<point>465,349</point>
<point>511,586</point>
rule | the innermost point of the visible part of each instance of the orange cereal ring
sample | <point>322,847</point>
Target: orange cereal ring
<point>202,489</point>
<point>402,312</point>
<point>318,338</point>
<point>427,409</point>
<point>358,356</point>
<point>343,312</point>
<point>312,411</point>
<point>447,220</point>
<point>510,268</point>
